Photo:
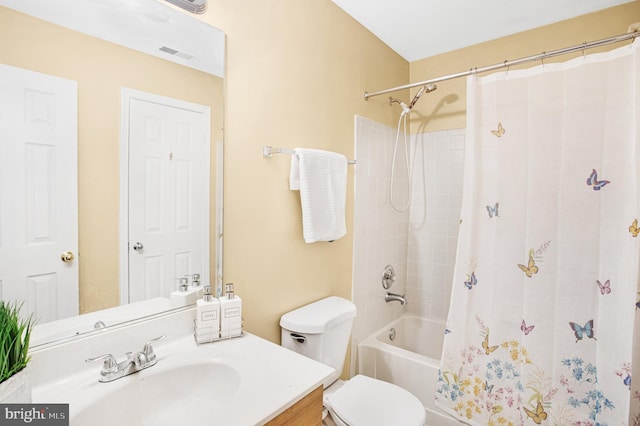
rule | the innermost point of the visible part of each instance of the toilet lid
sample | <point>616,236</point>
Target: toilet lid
<point>365,401</point>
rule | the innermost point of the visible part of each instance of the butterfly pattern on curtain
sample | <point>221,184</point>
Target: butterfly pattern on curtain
<point>540,325</point>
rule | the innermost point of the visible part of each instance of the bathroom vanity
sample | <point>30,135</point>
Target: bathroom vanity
<point>240,381</point>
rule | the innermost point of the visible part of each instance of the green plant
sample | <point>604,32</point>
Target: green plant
<point>15,333</point>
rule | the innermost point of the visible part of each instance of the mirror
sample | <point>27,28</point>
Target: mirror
<point>112,50</point>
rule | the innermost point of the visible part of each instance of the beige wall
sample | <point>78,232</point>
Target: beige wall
<point>101,69</point>
<point>446,107</point>
<point>296,72</point>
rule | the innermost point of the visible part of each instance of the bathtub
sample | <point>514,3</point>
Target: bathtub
<point>410,360</point>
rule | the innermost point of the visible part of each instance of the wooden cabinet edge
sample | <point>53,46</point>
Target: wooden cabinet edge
<point>306,412</point>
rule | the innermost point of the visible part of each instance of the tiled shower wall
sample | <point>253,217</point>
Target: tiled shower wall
<point>420,243</point>
<point>434,221</point>
<point>380,233</point>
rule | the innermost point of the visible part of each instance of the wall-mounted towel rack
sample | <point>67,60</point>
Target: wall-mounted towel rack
<point>268,151</point>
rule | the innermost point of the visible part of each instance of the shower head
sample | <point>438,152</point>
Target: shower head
<point>428,88</point>
<point>424,89</point>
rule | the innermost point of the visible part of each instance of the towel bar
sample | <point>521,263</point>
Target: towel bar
<point>268,152</point>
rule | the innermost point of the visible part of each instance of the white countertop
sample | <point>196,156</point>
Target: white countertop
<point>271,378</point>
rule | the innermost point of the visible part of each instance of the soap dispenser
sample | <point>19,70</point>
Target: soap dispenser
<point>183,296</point>
<point>207,327</point>
<point>230,313</point>
<point>196,285</point>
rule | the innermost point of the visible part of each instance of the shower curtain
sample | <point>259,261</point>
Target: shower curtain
<point>541,320</point>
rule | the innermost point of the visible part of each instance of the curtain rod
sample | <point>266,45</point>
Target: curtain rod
<point>505,64</point>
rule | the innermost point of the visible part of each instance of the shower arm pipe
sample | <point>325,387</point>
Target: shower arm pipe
<point>539,57</point>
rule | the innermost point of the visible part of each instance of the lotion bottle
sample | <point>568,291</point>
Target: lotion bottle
<point>207,318</point>
<point>230,313</point>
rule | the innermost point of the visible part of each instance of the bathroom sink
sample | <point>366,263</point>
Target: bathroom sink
<point>185,394</point>
<point>241,382</point>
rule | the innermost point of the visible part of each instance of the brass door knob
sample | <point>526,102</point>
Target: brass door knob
<point>67,257</point>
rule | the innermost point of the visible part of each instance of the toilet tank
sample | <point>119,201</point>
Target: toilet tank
<point>320,331</point>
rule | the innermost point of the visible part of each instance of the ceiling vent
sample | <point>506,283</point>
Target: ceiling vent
<point>193,6</point>
<point>177,53</point>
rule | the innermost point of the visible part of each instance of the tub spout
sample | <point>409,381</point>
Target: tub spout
<point>390,297</point>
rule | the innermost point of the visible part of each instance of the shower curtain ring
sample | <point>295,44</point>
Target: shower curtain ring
<point>584,46</point>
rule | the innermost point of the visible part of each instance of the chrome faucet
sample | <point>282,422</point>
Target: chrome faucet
<point>113,370</point>
<point>392,297</point>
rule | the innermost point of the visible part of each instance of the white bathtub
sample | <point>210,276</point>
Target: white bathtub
<point>411,360</point>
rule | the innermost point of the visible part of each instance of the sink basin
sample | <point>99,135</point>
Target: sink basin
<point>186,394</point>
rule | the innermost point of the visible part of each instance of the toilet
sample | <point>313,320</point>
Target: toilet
<point>321,331</point>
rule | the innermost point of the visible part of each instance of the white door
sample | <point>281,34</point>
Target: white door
<point>38,192</point>
<point>169,155</point>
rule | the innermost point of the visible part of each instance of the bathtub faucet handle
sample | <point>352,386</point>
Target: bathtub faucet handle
<point>388,277</point>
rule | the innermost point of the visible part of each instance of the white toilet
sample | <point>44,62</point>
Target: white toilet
<point>321,331</point>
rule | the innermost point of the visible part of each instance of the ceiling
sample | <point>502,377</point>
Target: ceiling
<point>417,29</point>
<point>148,26</point>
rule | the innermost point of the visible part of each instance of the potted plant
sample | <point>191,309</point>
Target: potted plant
<point>15,333</point>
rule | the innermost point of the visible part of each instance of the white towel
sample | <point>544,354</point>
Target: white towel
<point>321,177</point>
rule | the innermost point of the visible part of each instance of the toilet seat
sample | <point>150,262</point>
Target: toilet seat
<point>363,400</point>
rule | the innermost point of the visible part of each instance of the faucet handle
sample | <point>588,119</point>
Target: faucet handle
<point>148,348</point>
<point>110,364</point>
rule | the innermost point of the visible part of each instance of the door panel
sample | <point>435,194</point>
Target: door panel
<point>168,197</point>
<point>38,192</point>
